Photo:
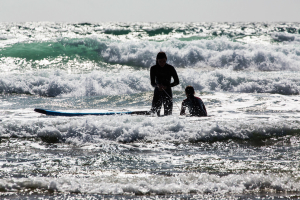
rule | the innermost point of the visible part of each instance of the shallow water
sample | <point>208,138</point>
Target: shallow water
<point>247,74</point>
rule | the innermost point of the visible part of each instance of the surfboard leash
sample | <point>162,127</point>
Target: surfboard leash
<point>172,99</point>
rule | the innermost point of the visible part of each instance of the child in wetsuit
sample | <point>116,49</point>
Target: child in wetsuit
<point>194,104</point>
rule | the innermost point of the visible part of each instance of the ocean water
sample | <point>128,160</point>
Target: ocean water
<point>247,74</point>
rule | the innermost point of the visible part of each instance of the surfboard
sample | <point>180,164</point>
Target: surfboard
<point>69,114</point>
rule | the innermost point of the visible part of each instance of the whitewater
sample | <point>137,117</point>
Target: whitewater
<point>247,74</point>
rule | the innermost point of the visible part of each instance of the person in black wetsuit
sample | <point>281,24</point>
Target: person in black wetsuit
<point>160,76</point>
<point>194,104</point>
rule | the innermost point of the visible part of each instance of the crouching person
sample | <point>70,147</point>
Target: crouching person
<point>194,104</point>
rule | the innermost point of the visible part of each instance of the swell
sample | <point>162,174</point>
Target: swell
<point>67,49</point>
<point>219,53</point>
<point>152,30</point>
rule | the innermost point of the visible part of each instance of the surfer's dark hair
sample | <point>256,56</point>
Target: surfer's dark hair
<point>189,91</point>
<point>161,55</point>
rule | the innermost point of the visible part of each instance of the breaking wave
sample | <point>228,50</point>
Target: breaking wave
<point>192,183</point>
<point>217,53</point>
<point>127,129</point>
<point>99,83</point>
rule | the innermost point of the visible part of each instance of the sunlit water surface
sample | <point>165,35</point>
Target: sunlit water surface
<point>247,74</point>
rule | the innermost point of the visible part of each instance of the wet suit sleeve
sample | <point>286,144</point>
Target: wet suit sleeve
<point>175,77</point>
<point>152,77</point>
<point>203,107</point>
<point>205,110</point>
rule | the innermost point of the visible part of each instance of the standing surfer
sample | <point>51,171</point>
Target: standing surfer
<point>160,76</point>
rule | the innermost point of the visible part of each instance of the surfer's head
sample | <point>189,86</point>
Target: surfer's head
<point>161,59</point>
<point>189,91</point>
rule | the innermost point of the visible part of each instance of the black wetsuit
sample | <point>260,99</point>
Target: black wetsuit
<point>162,75</point>
<point>195,105</point>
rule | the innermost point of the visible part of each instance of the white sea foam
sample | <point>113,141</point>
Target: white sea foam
<point>218,53</point>
<point>144,184</point>
<point>286,37</point>
<point>99,83</point>
<point>135,128</point>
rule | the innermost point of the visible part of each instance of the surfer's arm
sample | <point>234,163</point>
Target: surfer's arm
<point>202,106</point>
<point>182,112</point>
<point>175,77</point>
<point>205,110</point>
<point>152,77</point>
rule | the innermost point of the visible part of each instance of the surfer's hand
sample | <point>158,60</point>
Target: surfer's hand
<point>161,87</point>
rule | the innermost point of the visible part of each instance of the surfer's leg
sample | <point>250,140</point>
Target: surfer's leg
<point>156,102</point>
<point>168,102</point>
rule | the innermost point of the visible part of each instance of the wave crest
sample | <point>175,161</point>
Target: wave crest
<point>127,129</point>
<point>217,53</point>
